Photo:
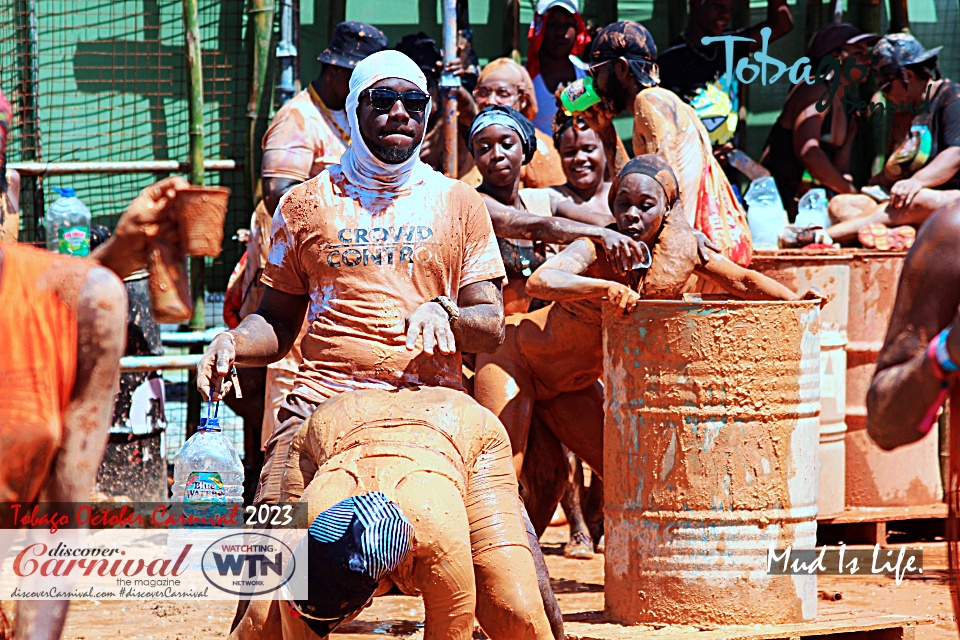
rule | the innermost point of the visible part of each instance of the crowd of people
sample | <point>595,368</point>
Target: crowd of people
<point>432,343</point>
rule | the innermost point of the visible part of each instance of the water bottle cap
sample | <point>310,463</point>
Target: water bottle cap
<point>209,424</point>
<point>66,192</point>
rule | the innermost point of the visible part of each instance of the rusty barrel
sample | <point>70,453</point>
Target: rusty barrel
<point>906,476</point>
<point>710,460</point>
<point>830,272</point>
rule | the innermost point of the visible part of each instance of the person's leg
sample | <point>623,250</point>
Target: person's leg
<point>576,418</point>
<point>260,621</point>
<point>505,386</point>
<point>543,479</point>
<point>580,544</point>
<point>848,206</point>
<point>593,508</point>
<point>924,204</point>
<point>289,419</point>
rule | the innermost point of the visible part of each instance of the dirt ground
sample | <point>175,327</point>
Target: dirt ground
<point>579,587</point>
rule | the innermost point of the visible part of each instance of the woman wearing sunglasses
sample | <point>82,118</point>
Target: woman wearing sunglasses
<point>810,144</point>
<point>504,82</point>
<point>923,172</point>
<point>554,356</point>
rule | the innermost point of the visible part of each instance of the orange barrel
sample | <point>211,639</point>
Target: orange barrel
<point>909,475</point>
<point>710,460</point>
<point>801,270</point>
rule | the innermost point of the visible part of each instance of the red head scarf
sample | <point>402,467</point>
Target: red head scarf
<point>6,121</point>
<point>538,29</point>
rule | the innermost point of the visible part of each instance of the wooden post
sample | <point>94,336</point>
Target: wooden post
<point>450,84</point>
<point>511,28</point>
<point>260,25</point>
<point>191,29</point>
<point>899,16</point>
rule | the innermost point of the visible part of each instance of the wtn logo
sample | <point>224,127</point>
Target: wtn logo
<point>258,564</point>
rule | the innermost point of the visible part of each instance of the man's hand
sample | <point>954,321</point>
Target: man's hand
<point>432,322</point>
<point>623,296</point>
<point>622,252</point>
<point>599,117</point>
<point>146,220</point>
<point>903,192</point>
<point>213,371</point>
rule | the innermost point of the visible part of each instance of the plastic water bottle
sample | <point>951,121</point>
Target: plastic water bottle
<point>812,209</point>
<point>766,216</point>
<point>68,224</point>
<point>208,481</point>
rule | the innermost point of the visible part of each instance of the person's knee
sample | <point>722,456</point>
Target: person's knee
<point>847,206</point>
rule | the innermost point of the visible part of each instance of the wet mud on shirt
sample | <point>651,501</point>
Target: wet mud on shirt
<point>931,131</point>
<point>303,140</point>
<point>366,271</point>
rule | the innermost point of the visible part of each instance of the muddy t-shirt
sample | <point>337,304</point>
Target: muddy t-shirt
<point>366,271</point>
<point>303,139</point>
<point>933,130</point>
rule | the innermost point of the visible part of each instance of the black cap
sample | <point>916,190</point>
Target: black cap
<point>898,50</point>
<point>351,43</point>
<point>632,41</point>
<point>423,50</point>
<point>835,35</point>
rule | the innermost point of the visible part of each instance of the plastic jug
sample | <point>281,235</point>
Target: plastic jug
<point>766,216</point>
<point>812,209</point>
<point>67,224</point>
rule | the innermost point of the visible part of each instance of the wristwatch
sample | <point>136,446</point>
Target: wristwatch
<point>449,306</point>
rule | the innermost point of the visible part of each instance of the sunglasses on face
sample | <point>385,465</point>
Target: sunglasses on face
<point>592,69</point>
<point>886,85</point>
<point>384,99</point>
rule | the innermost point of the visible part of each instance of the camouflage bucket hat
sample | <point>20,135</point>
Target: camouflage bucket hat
<point>899,50</point>
<point>351,43</point>
<point>632,41</point>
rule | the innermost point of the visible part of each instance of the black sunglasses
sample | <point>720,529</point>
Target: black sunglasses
<point>384,99</point>
<point>886,85</point>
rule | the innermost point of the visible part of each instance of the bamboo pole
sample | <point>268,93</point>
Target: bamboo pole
<point>260,24</point>
<point>191,24</point>
<point>511,28</point>
<point>450,85</point>
<point>899,16</point>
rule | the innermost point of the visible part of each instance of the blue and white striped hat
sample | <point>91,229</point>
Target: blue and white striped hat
<point>350,547</point>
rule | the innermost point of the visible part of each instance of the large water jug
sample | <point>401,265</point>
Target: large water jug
<point>67,224</point>
<point>812,209</point>
<point>766,216</point>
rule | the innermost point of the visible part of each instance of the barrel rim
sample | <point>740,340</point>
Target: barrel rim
<point>725,303</point>
<point>798,255</point>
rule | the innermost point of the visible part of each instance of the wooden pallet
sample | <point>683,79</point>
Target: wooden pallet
<point>830,626</point>
<point>868,525</point>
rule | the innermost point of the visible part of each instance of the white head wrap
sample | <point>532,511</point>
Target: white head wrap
<point>369,177</point>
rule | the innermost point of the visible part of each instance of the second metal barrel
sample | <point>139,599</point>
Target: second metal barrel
<point>908,475</point>
<point>830,272</point>
<point>710,460</point>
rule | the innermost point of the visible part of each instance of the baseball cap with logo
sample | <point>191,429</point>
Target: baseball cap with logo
<point>350,547</point>
<point>545,5</point>
<point>632,41</point>
<point>896,51</point>
<point>351,43</point>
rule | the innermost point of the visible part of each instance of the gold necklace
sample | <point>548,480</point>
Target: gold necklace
<point>344,135</point>
<point>698,52</point>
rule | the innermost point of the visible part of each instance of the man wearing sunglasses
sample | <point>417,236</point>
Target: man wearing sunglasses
<point>626,76</point>
<point>923,171</point>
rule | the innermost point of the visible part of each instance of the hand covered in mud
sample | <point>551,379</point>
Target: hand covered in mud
<point>816,293</point>
<point>704,243</point>
<point>623,296</point>
<point>432,322</point>
<point>146,220</point>
<point>213,371</point>
<point>624,253</point>
<point>599,117</point>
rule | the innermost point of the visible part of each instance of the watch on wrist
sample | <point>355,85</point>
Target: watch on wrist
<point>449,306</point>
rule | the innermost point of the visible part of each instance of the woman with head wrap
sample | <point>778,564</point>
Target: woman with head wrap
<point>504,82</point>
<point>554,356</point>
<point>502,141</point>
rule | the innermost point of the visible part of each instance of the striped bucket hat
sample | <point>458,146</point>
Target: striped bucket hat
<point>350,547</point>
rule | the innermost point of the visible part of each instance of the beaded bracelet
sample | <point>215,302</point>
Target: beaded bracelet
<point>943,369</point>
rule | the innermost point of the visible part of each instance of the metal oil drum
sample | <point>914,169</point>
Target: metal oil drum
<point>830,272</point>
<point>710,460</point>
<point>908,475</point>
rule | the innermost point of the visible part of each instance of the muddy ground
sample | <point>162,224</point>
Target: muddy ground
<point>579,587</point>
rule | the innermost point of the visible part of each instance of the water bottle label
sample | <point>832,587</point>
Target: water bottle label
<point>204,486</point>
<point>74,241</point>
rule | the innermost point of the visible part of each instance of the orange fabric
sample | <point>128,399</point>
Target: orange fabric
<point>665,125</point>
<point>301,141</point>
<point>365,272</point>
<point>38,362</point>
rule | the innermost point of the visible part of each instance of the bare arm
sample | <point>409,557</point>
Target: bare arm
<point>572,211</point>
<point>273,190</point>
<point>806,146</point>
<point>779,19</point>
<point>479,329</point>
<point>263,337</point>
<point>944,166</point>
<point>743,283</point>
<point>904,387</point>
<point>101,337</point>
<point>13,188</point>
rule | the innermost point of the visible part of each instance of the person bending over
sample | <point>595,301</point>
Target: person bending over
<point>443,461</point>
<point>554,356</point>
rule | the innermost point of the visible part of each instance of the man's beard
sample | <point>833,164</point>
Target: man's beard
<point>388,154</point>
<point>617,94</point>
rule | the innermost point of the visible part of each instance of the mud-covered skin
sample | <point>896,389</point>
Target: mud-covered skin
<point>446,462</point>
<point>73,454</point>
<point>852,212</point>
<point>928,295</point>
